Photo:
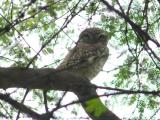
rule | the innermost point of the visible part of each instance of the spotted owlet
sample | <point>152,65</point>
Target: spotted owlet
<point>89,55</point>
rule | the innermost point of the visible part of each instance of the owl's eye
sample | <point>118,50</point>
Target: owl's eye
<point>86,38</point>
<point>102,37</point>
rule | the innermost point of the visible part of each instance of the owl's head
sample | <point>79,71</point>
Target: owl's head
<point>93,36</point>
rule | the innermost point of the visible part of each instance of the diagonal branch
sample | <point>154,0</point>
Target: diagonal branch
<point>143,35</point>
<point>64,25</point>
<point>135,27</point>
<point>20,106</point>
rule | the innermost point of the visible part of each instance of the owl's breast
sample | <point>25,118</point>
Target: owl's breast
<point>94,65</point>
<point>86,61</point>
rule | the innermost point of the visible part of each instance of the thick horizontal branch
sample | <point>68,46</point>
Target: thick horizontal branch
<point>51,79</point>
<point>46,78</point>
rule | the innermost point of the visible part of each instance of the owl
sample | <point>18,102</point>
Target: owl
<point>89,55</point>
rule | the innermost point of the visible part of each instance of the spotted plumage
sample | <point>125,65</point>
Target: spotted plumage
<point>89,55</point>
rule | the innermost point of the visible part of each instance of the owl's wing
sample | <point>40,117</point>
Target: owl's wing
<point>82,56</point>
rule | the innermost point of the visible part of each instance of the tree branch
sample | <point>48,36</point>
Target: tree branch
<point>51,79</point>
<point>136,28</point>
<point>20,106</point>
<point>89,96</point>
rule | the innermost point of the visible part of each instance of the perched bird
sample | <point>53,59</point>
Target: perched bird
<point>89,55</point>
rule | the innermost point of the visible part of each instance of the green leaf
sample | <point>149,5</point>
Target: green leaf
<point>49,50</point>
<point>132,100</point>
<point>27,50</point>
